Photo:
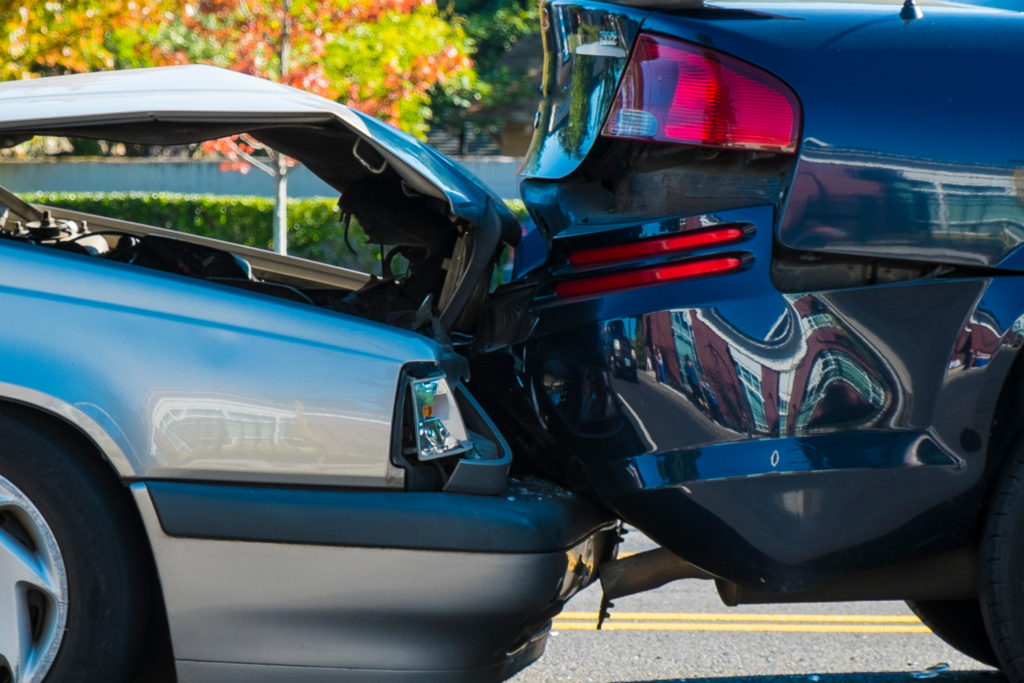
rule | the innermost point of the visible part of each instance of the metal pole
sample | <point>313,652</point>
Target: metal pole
<point>281,179</point>
<point>281,206</point>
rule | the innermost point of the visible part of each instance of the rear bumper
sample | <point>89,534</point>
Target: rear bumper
<point>477,608</point>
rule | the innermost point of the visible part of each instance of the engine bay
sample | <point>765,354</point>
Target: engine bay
<point>408,298</point>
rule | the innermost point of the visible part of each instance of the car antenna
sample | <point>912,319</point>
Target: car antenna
<point>910,12</point>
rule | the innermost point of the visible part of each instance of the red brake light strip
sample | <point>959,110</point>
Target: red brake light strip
<point>656,247</point>
<point>648,276</point>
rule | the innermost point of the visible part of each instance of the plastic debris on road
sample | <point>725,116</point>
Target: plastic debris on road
<point>931,671</point>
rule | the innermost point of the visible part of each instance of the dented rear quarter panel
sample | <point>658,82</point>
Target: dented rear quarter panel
<point>774,439</point>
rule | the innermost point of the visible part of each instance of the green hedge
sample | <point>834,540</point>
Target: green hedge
<point>314,229</point>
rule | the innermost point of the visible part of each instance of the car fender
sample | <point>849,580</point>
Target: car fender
<point>107,445</point>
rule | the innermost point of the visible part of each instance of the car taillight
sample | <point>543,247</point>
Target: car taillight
<point>673,91</point>
<point>659,246</point>
<point>648,276</point>
<point>440,431</point>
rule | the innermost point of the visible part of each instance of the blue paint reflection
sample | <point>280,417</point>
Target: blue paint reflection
<point>858,202</point>
<point>807,375</point>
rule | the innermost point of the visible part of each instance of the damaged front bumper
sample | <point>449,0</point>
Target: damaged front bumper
<point>419,586</point>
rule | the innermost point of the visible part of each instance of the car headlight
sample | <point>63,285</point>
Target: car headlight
<point>440,430</point>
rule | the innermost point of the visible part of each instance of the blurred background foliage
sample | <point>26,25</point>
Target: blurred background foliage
<point>493,28</point>
<point>315,231</point>
<point>409,62</point>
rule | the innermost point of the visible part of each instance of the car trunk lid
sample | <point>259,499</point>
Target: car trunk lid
<point>586,48</point>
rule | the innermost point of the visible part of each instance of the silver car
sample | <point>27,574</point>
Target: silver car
<point>223,464</point>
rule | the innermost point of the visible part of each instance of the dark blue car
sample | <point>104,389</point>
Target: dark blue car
<point>809,218</point>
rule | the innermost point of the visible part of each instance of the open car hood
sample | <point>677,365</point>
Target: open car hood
<point>188,104</point>
<point>408,193</point>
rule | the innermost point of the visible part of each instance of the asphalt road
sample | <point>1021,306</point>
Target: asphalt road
<point>689,635</point>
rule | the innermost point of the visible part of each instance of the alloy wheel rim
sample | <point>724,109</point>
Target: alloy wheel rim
<point>33,590</point>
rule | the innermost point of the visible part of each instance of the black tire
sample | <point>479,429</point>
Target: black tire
<point>1001,566</point>
<point>960,624</point>
<point>105,554</point>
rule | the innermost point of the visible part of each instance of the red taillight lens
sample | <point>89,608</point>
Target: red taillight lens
<point>648,276</point>
<point>674,91</point>
<point>656,247</point>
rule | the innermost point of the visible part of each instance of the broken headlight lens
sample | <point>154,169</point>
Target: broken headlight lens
<point>440,430</point>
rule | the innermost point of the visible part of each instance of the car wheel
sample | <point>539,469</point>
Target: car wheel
<point>1001,566</point>
<point>74,578</point>
<point>960,624</point>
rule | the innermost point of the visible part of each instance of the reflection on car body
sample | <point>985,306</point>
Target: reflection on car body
<point>809,375</point>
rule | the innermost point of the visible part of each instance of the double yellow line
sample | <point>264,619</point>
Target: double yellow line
<point>701,621</point>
